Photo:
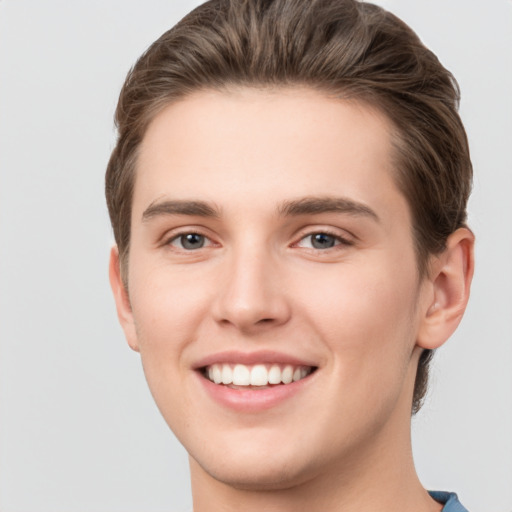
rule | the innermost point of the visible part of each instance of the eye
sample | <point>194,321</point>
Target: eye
<point>189,241</point>
<point>322,240</point>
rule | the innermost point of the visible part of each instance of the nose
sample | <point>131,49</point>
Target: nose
<point>251,295</point>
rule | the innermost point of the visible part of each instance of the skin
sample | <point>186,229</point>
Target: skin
<point>357,311</point>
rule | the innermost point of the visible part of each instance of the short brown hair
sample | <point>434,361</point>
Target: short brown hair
<point>344,48</point>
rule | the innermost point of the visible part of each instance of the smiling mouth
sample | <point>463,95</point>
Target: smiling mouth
<point>257,376</point>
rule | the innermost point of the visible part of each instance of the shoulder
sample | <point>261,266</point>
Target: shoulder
<point>449,500</point>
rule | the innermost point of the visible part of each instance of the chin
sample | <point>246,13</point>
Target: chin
<point>258,467</point>
<point>261,477</point>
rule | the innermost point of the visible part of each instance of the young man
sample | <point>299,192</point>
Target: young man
<point>288,196</point>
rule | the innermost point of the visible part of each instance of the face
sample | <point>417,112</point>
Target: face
<point>273,286</point>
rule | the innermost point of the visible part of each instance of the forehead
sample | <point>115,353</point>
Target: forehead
<point>266,145</point>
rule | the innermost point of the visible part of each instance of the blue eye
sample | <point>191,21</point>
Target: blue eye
<point>189,241</point>
<point>322,240</point>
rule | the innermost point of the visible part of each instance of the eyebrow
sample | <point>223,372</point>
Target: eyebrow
<point>303,206</point>
<point>315,205</point>
<point>180,207</point>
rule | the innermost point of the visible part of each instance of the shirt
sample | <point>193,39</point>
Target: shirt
<point>449,500</point>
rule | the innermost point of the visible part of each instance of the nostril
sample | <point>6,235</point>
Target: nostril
<point>250,309</point>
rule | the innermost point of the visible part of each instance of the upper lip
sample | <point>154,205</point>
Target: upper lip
<point>250,358</point>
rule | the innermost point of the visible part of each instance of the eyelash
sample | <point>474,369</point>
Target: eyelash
<point>180,236</point>
<point>339,240</point>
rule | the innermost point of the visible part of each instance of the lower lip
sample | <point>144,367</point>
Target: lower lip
<point>252,400</point>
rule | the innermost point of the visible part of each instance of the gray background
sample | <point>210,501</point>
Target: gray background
<point>78,428</point>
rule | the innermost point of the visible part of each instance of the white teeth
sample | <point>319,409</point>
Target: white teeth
<point>227,374</point>
<point>287,375</point>
<point>257,375</point>
<point>217,374</point>
<point>241,375</point>
<point>274,375</point>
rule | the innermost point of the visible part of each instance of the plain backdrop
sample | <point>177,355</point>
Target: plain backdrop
<point>78,429</point>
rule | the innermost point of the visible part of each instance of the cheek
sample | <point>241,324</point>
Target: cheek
<point>369,328</point>
<point>167,308</point>
<point>366,314</point>
<point>167,311</point>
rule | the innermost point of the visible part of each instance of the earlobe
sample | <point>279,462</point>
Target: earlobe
<point>450,282</point>
<point>121,298</point>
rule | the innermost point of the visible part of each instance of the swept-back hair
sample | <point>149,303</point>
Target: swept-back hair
<point>343,48</point>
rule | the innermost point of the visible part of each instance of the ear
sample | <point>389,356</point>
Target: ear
<point>449,283</point>
<point>122,300</point>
